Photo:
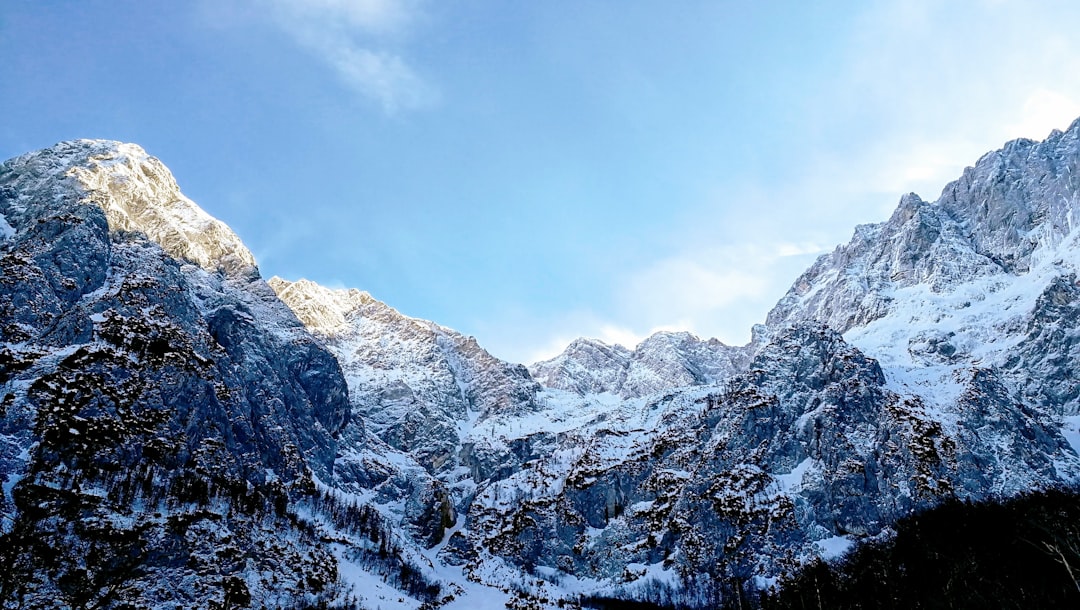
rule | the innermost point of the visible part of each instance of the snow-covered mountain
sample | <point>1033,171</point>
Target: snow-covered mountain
<point>983,277</point>
<point>663,361</point>
<point>161,407</point>
<point>203,437</point>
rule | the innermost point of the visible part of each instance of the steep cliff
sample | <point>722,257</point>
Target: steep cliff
<point>160,406</point>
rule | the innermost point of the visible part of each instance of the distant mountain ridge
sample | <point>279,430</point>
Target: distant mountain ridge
<point>663,361</point>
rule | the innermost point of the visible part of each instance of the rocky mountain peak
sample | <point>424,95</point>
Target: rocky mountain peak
<point>586,366</point>
<point>1012,214</point>
<point>322,310</point>
<point>188,408</point>
<point>160,404</point>
<point>417,384</point>
<point>662,361</point>
<point>137,193</point>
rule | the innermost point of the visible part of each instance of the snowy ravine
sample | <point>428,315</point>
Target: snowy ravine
<point>204,438</point>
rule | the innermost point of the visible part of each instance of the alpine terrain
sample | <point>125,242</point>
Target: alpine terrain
<point>176,431</point>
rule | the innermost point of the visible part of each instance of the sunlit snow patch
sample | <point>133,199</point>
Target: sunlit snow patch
<point>832,548</point>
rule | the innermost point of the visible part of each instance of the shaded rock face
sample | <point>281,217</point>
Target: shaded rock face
<point>1043,364</point>
<point>159,405</point>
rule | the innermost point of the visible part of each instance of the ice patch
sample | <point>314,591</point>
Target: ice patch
<point>833,548</point>
<point>1070,429</point>
<point>793,480</point>
<point>6,230</point>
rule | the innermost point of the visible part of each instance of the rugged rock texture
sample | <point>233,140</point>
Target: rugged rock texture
<point>688,464</point>
<point>958,279</point>
<point>414,382</point>
<point>157,415</point>
<point>803,453</point>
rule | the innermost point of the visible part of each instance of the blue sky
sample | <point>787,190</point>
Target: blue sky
<point>530,172</point>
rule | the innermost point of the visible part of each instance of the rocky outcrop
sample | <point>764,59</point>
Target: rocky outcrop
<point>418,386</point>
<point>993,241</point>
<point>806,451</point>
<point>160,407</point>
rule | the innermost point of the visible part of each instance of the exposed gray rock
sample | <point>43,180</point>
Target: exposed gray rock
<point>418,385</point>
<point>751,478</point>
<point>156,415</point>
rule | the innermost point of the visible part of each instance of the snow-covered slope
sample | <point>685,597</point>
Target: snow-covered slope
<point>980,277</point>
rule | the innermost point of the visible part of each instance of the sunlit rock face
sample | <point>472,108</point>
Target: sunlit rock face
<point>418,386</point>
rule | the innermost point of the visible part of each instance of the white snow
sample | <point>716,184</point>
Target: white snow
<point>1070,429</point>
<point>370,588</point>
<point>834,547</point>
<point>792,481</point>
<point>6,230</point>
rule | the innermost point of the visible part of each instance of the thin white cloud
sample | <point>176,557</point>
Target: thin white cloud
<point>353,37</point>
<point>928,87</point>
<point>371,16</point>
<point>785,250</point>
<point>382,76</point>
<point>713,291</point>
<point>682,287</point>
<point>1043,111</point>
<point>925,90</point>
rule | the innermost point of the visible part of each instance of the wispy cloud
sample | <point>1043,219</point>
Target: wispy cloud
<point>1044,110</point>
<point>713,291</point>
<point>922,90</point>
<point>946,82</point>
<point>371,16</point>
<point>355,38</point>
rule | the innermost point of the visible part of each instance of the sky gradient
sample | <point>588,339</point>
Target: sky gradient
<point>532,172</point>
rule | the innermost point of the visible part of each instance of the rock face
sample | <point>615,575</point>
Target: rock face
<point>414,382</point>
<point>174,419</point>
<point>951,378</point>
<point>160,406</point>
<point>805,451</point>
<point>983,277</point>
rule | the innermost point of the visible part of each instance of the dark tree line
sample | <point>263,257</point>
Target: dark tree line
<point>1020,553</point>
<point>385,556</point>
